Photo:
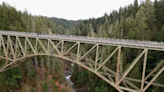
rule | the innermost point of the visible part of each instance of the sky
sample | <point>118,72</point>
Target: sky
<point>69,9</point>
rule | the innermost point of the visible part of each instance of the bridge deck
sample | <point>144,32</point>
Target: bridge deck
<point>45,44</point>
<point>103,41</point>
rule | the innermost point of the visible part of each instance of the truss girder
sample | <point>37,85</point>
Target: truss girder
<point>15,48</point>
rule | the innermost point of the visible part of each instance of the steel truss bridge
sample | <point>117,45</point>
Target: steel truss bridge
<point>86,52</point>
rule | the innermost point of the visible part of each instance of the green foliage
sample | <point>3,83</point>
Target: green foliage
<point>64,23</point>
<point>160,34</point>
<point>10,19</point>
<point>61,81</point>
<point>24,89</point>
<point>159,8</point>
<point>91,32</point>
<point>140,22</point>
<point>54,77</point>
<point>32,90</point>
<point>44,86</point>
<point>63,90</point>
<point>55,89</point>
<point>135,9</point>
<point>9,80</point>
<point>65,84</point>
<point>31,73</point>
<point>95,83</point>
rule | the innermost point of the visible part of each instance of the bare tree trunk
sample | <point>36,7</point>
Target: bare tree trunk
<point>122,33</point>
<point>48,64</point>
<point>36,64</point>
<point>28,64</point>
<point>27,90</point>
<point>53,66</point>
<point>42,66</point>
<point>36,69</point>
<point>28,68</point>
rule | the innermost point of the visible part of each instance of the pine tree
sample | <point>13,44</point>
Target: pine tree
<point>141,25</point>
<point>135,9</point>
<point>91,32</point>
<point>159,8</point>
<point>160,34</point>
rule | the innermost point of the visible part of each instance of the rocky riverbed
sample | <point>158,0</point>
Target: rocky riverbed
<point>67,73</point>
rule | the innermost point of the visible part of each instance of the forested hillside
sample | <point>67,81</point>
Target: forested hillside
<point>67,24</point>
<point>140,22</point>
<point>137,22</point>
<point>34,74</point>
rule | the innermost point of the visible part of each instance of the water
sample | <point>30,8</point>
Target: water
<point>69,76</point>
<point>72,64</point>
<point>69,80</point>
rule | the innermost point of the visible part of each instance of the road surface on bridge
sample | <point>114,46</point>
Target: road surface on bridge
<point>93,40</point>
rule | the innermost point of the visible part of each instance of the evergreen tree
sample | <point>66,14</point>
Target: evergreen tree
<point>91,32</point>
<point>141,25</point>
<point>160,34</point>
<point>135,9</point>
<point>9,80</point>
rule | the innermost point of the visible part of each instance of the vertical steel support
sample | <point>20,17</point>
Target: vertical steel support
<point>78,51</point>
<point>107,58</point>
<point>130,67</point>
<point>97,52</point>
<point>48,47</point>
<point>144,69</point>
<point>41,45</point>
<point>25,47</point>
<point>7,51</point>
<point>16,46</point>
<point>23,50</point>
<point>4,47</point>
<point>30,45</point>
<point>118,65</point>
<point>11,46</point>
<point>62,48</point>
<point>121,63</point>
<point>36,45</point>
<point>87,52</point>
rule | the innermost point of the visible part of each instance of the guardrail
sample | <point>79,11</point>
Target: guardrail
<point>125,42</point>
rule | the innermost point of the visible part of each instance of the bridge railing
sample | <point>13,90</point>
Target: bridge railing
<point>84,37</point>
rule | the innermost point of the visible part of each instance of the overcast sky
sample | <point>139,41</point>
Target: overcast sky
<point>69,9</point>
